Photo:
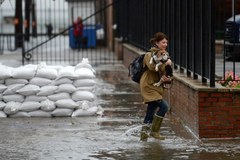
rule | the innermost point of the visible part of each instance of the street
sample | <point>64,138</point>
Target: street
<point>112,136</point>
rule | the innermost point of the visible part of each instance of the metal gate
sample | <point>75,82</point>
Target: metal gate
<point>43,31</point>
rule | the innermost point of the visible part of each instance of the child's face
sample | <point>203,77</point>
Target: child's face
<point>162,45</point>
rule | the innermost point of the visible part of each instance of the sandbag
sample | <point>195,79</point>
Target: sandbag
<point>10,81</point>
<point>84,73</point>
<point>68,88</point>
<point>2,105</point>
<point>11,89</point>
<point>83,95</point>
<point>35,98</point>
<point>59,96</point>
<point>47,90</point>
<point>66,103</point>
<point>29,106</point>
<point>67,72</point>
<point>20,115</point>
<point>2,114</point>
<point>23,72</point>
<point>84,82</point>
<point>2,88</point>
<point>62,81</point>
<point>12,107</point>
<point>40,81</point>
<point>13,97</point>
<point>40,113</point>
<point>29,89</point>
<point>62,112</point>
<point>5,72</point>
<point>81,112</point>
<point>47,73</point>
<point>48,105</point>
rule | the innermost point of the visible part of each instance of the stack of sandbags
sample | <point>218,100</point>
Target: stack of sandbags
<point>48,91</point>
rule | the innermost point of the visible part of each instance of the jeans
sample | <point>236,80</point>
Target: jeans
<point>162,107</point>
<point>78,41</point>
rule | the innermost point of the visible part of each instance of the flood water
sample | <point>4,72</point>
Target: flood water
<point>112,136</point>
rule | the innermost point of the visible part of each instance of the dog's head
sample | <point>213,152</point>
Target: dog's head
<point>163,56</point>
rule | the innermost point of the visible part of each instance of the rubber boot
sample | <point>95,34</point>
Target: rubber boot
<point>144,132</point>
<point>156,124</point>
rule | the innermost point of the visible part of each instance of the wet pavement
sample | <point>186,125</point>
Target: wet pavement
<point>112,136</point>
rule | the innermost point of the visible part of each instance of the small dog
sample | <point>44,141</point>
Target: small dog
<point>159,60</point>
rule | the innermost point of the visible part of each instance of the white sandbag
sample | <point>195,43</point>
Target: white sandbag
<point>66,103</point>
<point>40,113</point>
<point>10,81</point>
<point>29,89</point>
<point>87,88</point>
<point>2,88</point>
<point>35,98</point>
<point>61,81</point>
<point>84,73</point>
<point>2,114</point>
<point>67,72</point>
<point>55,67</point>
<point>48,105</point>
<point>40,81</point>
<point>13,97</point>
<point>2,105</point>
<point>5,72</point>
<point>84,104</point>
<point>11,89</point>
<point>59,96</point>
<point>23,72</point>
<point>20,115</point>
<point>47,90</point>
<point>81,112</point>
<point>84,82</point>
<point>62,112</point>
<point>47,73</point>
<point>12,107</point>
<point>68,88</point>
<point>85,64</point>
<point>34,66</point>
<point>29,106</point>
<point>83,95</point>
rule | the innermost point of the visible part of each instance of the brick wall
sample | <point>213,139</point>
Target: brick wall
<point>208,112</point>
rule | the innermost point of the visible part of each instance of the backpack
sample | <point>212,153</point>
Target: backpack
<point>136,68</point>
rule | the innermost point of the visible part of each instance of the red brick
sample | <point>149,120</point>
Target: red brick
<point>205,104</point>
<point>227,95</point>
<point>211,99</point>
<point>203,94</point>
<point>225,99</point>
<point>216,95</point>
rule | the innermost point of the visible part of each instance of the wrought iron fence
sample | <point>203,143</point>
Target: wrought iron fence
<point>188,23</point>
<point>44,31</point>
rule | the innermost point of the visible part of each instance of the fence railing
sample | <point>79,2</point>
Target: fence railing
<point>59,47</point>
<point>191,25</point>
